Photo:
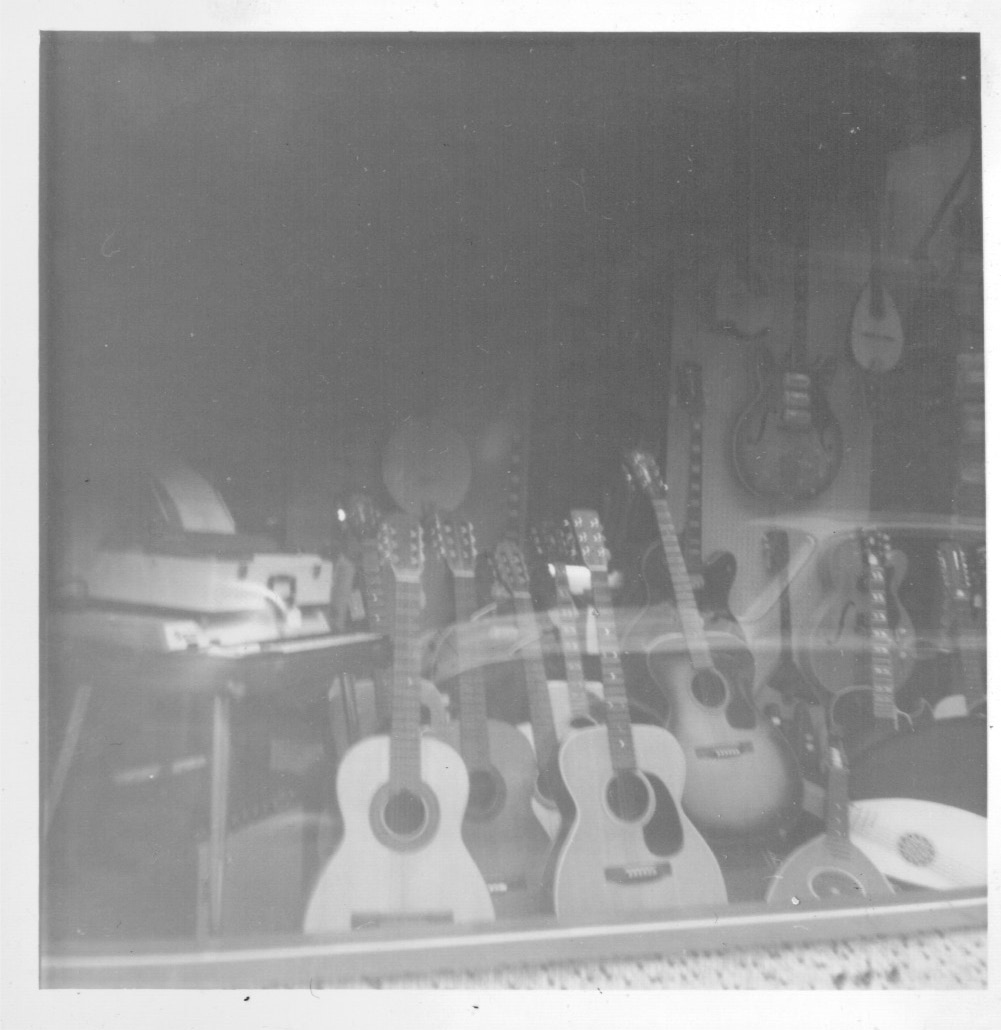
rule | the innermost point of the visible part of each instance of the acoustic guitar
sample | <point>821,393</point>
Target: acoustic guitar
<point>831,865</point>
<point>787,445</point>
<point>402,859</point>
<point>500,828</point>
<point>628,847</point>
<point>742,776</point>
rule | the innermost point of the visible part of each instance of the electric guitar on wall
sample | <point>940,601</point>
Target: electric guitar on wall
<point>500,828</point>
<point>628,847</point>
<point>742,776</point>
<point>713,577</point>
<point>787,445</point>
<point>831,865</point>
<point>402,797</point>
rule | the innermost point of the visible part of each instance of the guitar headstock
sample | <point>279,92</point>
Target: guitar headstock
<point>402,547</point>
<point>553,541</point>
<point>643,471</point>
<point>590,539</point>
<point>511,569</point>
<point>455,541</point>
<point>690,395</point>
<point>362,517</point>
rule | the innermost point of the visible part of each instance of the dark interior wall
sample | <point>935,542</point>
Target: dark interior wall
<point>255,248</point>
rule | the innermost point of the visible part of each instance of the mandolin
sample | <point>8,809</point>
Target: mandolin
<point>713,577</point>
<point>831,865</point>
<point>512,573</point>
<point>500,828</point>
<point>402,859</point>
<point>628,846</point>
<point>838,652</point>
<point>742,776</point>
<point>787,445</point>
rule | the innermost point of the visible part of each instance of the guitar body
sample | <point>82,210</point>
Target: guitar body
<point>922,843</point>
<point>609,866</point>
<point>820,870</point>
<point>743,780</point>
<point>501,829</point>
<point>787,445</point>
<point>423,874</point>
<point>877,330</point>
<point>838,652</point>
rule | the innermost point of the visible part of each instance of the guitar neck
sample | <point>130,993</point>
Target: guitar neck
<point>405,721</point>
<point>566,613</point>
<point>474,735</point>
<point>376,608</point>
<point>884,703</point>
<point>539,702</point>
<point>836,809</point>
<point>684,595</point>
<point>617,724</point>
<point>692,535</point>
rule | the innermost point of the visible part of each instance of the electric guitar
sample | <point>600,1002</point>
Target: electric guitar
<point>838,652</point>
<point>713,577</point>
<point>628,847</point>
<point>512,573</point>
<point>742,776</point>
<point>500,829</point>
<point>959,627</point>
<point>831,865</point>
<point>787,445</point>
<point>402,797</point>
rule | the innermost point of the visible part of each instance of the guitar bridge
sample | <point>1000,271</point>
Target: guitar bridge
<point>629,874</point>
<point>725,750</point>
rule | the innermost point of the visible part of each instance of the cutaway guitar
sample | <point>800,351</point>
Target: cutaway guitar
<point>742,776</point>
<point>628,846</point>
<point>402,859</point>
<point>500,829</point>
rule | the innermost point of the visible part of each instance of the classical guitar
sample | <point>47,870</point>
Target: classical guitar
<point>500,829</point>
<point>713,577</point>
<point>787,680</point>
<point>876,337</point>
<point>787,444</point>
<point>960,630</point>
<point>512,572</point>
<point>831,865</point>
<point>742,776</point>
<point>402,797</point>
<point>628,847</point>
<point>858,590</point>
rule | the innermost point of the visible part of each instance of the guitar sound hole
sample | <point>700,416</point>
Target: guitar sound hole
<point>916,849</point>
<point>835,883</point>
<point>628,796</point>
<point>709,688</point>
<point>405,814</point>
<point>486,793</point>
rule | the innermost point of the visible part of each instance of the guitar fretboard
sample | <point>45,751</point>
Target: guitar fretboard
<point>691,537</point>
<point>474,737</point>
<point>836,808</point>
<point>884,704</point>
<point>684,595</point>
<point>566,615</point>
<point>618,726</point>
<point>539,702</point>
<point>405,726</point>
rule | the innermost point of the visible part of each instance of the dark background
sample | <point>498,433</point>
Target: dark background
<point>256,249</point>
